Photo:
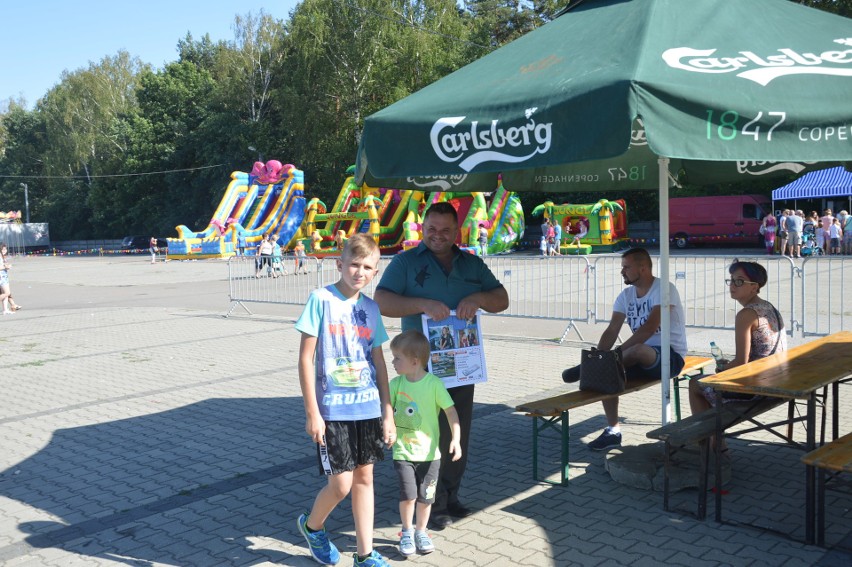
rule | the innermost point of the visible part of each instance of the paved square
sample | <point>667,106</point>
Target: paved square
<point>141,427</point>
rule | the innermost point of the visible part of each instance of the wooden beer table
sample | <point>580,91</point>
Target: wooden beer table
<point>798,373</point>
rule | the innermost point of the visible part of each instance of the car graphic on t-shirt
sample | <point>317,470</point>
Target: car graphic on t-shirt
<point>349,374</point>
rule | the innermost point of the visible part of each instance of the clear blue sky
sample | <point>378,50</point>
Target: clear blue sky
<point>42,38</point>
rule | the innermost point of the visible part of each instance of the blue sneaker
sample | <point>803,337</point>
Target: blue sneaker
<point>321,549</point>
<point>406,542</point>
<point>606,440</point>
<point>423,542</point>
<point>375,559</point>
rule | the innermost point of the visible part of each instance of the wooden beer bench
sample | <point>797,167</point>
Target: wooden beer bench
<point>832,458</point>
<point>553,412</point>
<point>697,430</point>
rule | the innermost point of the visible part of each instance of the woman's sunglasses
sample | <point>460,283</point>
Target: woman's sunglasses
<point>738,282</point>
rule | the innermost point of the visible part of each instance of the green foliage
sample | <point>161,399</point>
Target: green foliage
<point>347,59</point>
<point>839,7</point>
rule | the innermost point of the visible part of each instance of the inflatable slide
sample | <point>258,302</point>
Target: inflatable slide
<point>270,199</point>
<point>379,212</point>
<point>500,212</point>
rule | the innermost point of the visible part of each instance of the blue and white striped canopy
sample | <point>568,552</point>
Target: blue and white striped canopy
<point>834,182</point>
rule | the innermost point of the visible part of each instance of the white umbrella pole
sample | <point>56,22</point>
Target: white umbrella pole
<point>665,299</point>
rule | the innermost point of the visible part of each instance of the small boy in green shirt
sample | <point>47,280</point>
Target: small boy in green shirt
<point>417,397</point>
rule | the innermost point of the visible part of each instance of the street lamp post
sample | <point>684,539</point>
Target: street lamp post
<point>26,202</point>
<point>259,155</point>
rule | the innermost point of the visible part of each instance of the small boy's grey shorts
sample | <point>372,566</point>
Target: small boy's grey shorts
<point>417,480</point>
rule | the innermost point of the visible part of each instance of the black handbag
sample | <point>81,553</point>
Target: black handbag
<point>603,371</point>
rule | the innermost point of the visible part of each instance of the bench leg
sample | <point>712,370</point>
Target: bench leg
<point>565,439</point>
<point>720,435</point>
<point>810,475</point>
<point>676,385</point>
<point>835,410</point>
<point>535,446</point>
<point>824,415</point>
<point>667,461</point>
<point>821,508</point>
<point>703,474</point>
<point>542,423</point>
<point>791,408</point>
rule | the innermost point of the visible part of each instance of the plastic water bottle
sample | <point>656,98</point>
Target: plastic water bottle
<point>716,352</point>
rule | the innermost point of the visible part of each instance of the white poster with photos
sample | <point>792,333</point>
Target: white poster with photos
<point>456,353</point>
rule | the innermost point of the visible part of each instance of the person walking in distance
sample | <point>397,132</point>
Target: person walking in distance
<point>482,237</point>
<point>782,232</point>
<point>300,255</point>
<point>795,225</point>
<point>768,226</point>
<point>827,220</point>
<point>8,304</point>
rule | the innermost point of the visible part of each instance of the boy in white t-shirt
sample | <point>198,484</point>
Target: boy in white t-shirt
<point>836,235</point>
<point>417,398</point>
<point>344,384</point>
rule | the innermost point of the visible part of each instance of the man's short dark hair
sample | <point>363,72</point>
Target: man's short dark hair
<point>442,208</point>
<point>641,255</point>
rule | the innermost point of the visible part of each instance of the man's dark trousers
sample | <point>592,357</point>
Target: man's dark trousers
<point>449,480</point>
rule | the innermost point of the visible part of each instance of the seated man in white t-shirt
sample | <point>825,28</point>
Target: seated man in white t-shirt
<point>639,307</point>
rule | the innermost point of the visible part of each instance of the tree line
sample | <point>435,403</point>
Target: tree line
<point>121,148</point>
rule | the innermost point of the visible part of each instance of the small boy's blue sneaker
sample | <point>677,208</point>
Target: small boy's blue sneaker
<point>321,549</point>
<point>375,559</point>
<point>423,542</point>
<point>406,542</point>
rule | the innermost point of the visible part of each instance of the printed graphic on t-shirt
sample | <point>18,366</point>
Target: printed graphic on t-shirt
<point>638,312</point>
<point>406,415</point>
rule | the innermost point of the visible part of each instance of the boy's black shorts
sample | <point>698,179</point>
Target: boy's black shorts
<point>350,444</point>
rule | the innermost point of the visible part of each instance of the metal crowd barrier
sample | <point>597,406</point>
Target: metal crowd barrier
<point>809,292</point>
<point>824,290</point>
<point>539,287</point>
<point>248,285</point>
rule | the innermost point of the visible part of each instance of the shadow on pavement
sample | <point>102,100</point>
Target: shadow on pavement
<point>203,465</point>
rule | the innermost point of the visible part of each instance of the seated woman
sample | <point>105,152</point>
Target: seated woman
<point>758,331</point>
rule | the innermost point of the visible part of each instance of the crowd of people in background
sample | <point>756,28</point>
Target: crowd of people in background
<point>796,234</point>
<point>551,235</point>
<point>269,253</point>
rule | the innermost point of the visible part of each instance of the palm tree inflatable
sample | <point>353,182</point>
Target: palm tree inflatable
<point>605,209</point>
